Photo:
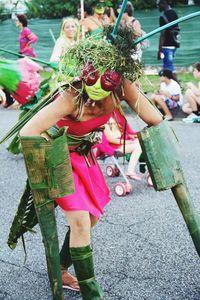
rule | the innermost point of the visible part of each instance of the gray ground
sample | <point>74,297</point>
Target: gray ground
<point>142,247</point>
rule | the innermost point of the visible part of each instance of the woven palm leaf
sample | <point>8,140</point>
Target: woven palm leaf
<point>25,218</point>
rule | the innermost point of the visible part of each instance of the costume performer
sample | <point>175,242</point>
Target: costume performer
<point>105,74</point>
<point>84,104</point>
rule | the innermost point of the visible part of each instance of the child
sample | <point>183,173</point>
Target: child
<point>115,136</point>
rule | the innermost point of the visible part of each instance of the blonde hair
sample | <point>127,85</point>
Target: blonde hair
<point>69,20</point>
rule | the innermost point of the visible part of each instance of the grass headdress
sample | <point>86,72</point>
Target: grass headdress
<point>103,54</point>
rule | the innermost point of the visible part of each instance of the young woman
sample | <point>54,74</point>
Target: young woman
<point>68,35</point>
<point>84,105</point>
<point>26,37</point>
<point>128,19</point>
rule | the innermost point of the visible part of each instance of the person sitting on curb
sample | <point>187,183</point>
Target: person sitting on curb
<point>169,95</point>
<point>192,104</point>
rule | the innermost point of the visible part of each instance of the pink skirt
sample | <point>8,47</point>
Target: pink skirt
<point>91,191</point>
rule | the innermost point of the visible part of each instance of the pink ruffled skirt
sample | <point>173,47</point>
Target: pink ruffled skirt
<point>91,191</point>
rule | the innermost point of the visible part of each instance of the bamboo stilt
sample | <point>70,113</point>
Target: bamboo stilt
<point>187,208</point>
<point>50,176</point>
<point>161,152</point>
<point>46,217</point>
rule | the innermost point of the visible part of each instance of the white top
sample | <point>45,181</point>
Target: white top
<point>173,88</point>
<point>59,49</point>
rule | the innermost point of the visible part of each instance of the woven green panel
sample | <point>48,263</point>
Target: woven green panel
<point>160,148</point>
<point>48,164</point>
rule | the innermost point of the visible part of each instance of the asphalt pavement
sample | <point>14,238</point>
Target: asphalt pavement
<point>142,248</point>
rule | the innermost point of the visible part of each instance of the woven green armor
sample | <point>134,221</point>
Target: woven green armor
<point>160,148</point>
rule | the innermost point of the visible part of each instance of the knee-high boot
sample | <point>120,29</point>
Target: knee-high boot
<point>82,259</point>
<point>65,256</point>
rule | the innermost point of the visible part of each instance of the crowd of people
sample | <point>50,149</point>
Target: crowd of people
<point>95,18</point>
<point>91,106</point>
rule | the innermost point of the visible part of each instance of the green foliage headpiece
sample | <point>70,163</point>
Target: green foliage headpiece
<point>103,54</point>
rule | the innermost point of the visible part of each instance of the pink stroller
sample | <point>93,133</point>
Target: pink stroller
<point>106,149</point>
<point>103,151</point>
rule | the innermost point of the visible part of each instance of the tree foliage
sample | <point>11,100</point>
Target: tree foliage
<point>51,8</point>
<point>4,13</point>
<point>61,8</point>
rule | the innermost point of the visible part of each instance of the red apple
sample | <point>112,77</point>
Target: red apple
<point>89,74</point>
<point>110,80</point>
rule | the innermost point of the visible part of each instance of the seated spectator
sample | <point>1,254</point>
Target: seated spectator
<point>115,136</point>
<point>192,94</point>
<point>169,95</point>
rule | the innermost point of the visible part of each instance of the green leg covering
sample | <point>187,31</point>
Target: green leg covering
<point>65,256</point>
<point>82,258</point>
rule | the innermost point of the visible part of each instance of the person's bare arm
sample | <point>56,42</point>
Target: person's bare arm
<point>138,103</point>
<point>137,28</point>
<point>49,115</point>
<point>111,138</point>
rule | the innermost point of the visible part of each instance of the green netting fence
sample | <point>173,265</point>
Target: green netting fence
<point>189,51</point>
<point>187,54</point>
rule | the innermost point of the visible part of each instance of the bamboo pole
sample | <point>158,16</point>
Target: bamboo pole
<point>160,149</point>
<point>117,23</point>
<point>50,64</point>
<point>52,35</point>
<point>186,206</point>
<point>46,217</point>
<point>82,18</point>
